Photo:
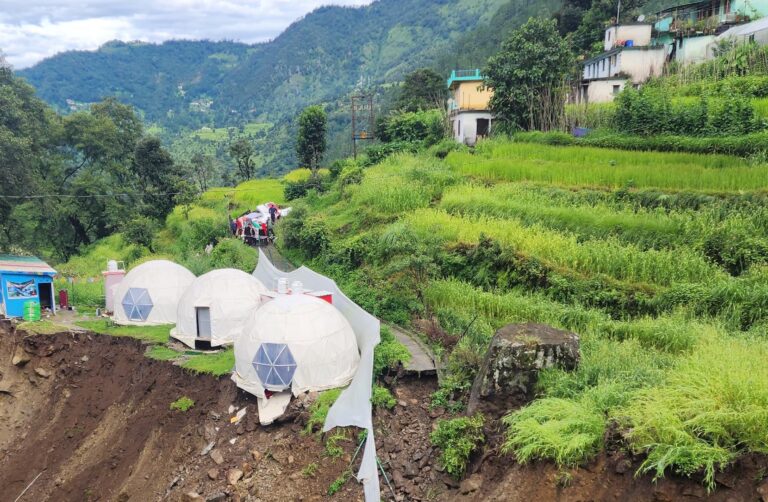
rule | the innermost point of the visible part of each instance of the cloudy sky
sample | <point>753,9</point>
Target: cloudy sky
<point>31,30</point>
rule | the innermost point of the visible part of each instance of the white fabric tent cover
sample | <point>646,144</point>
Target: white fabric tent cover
<point>156,286</point>
<point>321,343</point>
<point>231,295</point>
<point>353,407</point>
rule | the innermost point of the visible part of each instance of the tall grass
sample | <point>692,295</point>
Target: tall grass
<point>400,184</point>
<point>582,166</point>
<point>251,193</point>
<point>713,405</point>
<point>622,261</point>
<point>649,229</point>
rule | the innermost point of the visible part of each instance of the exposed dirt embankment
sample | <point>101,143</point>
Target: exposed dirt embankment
<point>92,414</point>
<point>87,418</point>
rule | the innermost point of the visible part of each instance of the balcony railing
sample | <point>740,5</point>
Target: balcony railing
<point>464,75</point>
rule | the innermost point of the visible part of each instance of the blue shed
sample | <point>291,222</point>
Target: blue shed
<point>25,278</point>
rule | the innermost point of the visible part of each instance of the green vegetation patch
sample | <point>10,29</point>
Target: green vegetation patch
<point>182,404</point>
<point>42,327</point>
<point>457,438</point>
<point>152,334</point>
<point>162,353</point>
<point>602,167</point>
<point>319,409</point>
<point>216,364</point>
<point>382,397</point>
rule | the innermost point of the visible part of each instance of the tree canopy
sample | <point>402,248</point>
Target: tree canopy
<point>310,144</point>
<point>422,89</point>
<point>528,76</point>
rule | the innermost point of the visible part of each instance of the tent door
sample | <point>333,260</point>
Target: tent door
<point>203,322</point>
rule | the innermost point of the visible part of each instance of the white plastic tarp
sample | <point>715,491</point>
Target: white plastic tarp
<point>353,407</point>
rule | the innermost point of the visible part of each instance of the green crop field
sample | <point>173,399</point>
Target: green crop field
<point>607,168</point>
<point>659,261</point>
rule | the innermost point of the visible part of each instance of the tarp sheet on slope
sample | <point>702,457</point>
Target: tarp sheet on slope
<point>353,407</point>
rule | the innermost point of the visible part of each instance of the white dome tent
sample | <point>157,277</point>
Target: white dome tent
<point>216,306</point>
<point>150,293</point>
<point>353,406</point>
<point>295,342</point>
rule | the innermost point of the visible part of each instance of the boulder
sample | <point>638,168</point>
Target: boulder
<point>234,475</point>
<point>42,372</point>
<point>20,357</point>
<point>217,457</point>
<point>516,354</point>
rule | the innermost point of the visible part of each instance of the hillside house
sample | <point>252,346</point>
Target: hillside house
<point>689,30</point>
<point>469,106</point>
<point>24,279</point>
<point>629,57</point>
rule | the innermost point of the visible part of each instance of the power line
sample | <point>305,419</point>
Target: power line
<point>98,195</point>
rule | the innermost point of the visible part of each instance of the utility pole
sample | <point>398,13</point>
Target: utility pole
<point>363,119</point>
<point>618,13</point>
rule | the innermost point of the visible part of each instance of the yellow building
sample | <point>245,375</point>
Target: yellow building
<point>469,106</point>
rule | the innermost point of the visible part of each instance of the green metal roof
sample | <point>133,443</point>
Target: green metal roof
<point>464,76</point>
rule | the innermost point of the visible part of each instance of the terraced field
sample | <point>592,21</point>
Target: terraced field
<point>658,260</point>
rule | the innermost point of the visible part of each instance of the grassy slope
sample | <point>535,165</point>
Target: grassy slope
<point>632,267</point>
<point>588,223</point>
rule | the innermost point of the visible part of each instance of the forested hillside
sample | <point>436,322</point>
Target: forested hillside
<point>183,86</point>
<point>317,58</point>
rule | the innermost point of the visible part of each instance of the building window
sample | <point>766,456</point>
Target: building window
<point>603,64</point>
<point>616,89</point>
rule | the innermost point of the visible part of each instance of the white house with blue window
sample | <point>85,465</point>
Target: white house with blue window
<point>24,279</point>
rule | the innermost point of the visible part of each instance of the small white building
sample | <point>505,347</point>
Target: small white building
<point>469,106</point>
<point>628,59</point>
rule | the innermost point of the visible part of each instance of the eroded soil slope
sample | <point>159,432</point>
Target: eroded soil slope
<point>87,418</point>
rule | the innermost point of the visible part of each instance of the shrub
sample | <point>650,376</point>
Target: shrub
<point>232,253</point>
<point>563,430</point>
<point>140,231</point>
<point>381,397</point>
<point>413,127</point>
<point>182,404</point>
<point>318,412</point>
<point>389,353</point>
<point>457,438</point>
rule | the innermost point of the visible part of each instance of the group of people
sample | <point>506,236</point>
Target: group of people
<point>256,227</point>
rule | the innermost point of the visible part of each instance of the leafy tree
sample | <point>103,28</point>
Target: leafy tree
<point>186,195</point>
<point>423,89</point>
<point>528,77</point>
<point>242,152</point>
<point>203,170</point>
<point>310,145</point>
<point>140,230</point>
<point>158,176</point>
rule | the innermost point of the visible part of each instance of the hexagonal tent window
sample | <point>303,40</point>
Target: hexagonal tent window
<point>137,304</point>
<point>274,365</point>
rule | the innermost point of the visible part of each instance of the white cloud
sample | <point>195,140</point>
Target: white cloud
<point>35,29</point>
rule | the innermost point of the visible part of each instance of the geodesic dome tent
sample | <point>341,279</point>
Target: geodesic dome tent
<point>150,293</point>
<point>353,406</point>
<point>295,342</point>
<point>216,306</point>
